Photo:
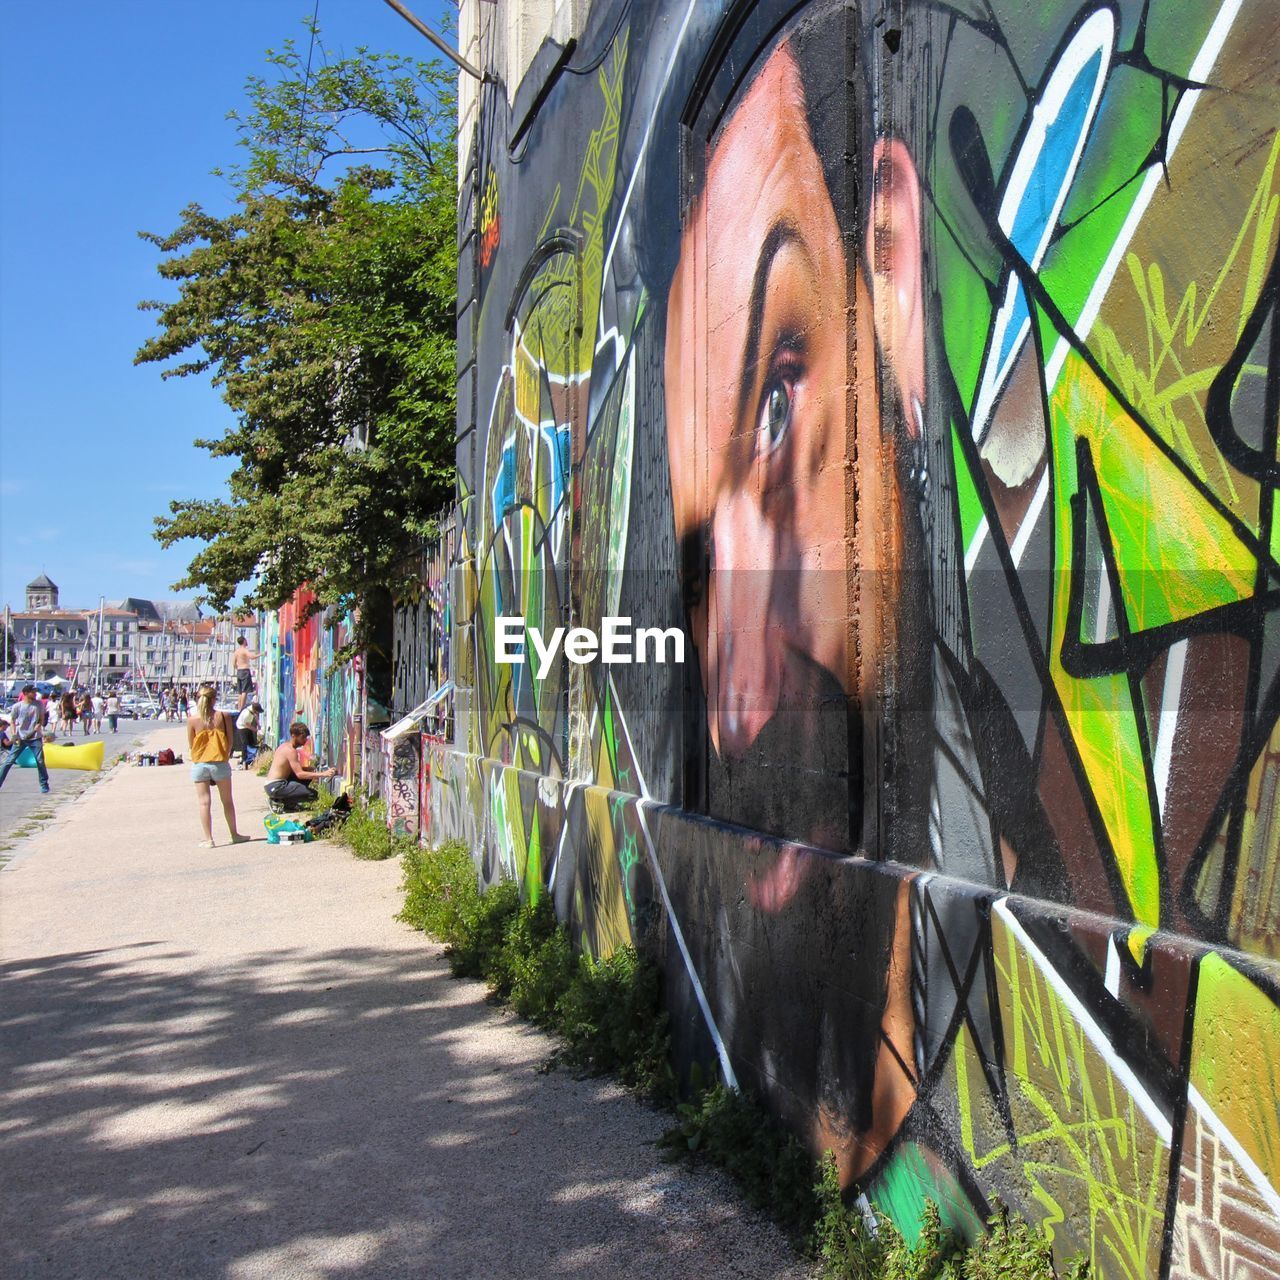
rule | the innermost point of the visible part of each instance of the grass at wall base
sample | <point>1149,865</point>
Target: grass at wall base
<point>364,830</point>
<point>609,1017</point>
<point>606,1012</point>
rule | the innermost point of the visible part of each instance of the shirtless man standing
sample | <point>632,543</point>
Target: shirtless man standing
<point>288,777</point>
<point>243,660</point>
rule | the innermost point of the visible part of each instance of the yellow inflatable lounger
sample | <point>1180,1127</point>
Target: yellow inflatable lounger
<point>88,755</point>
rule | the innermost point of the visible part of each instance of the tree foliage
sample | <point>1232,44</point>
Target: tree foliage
<point>322,307</point>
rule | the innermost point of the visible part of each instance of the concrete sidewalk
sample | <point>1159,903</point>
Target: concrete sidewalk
<point>235,1063</point>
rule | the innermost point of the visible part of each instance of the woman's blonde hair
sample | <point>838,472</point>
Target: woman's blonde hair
<point>204,701</point>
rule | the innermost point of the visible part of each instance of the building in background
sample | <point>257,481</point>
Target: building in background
<point>42,593</point>
<point>127,642</point>
<point>48,642</point>
<point>177,651</point>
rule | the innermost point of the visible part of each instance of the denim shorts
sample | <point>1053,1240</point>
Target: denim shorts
<point>211,771</point>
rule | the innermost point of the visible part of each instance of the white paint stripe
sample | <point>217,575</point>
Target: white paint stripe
<point>1104,606</point>
<point>726,1067</point>
<point>1199,70</point>
<point>1020,539</point>
<point>566,792</point>
<point>644,800</point>
<point>1170,699</point>
<point>1027,527</point>
<point>1111,979</point>
<point>621,721</point>
<point>638,164</point>
<point>1117,1065</point>
<point>975,546</point>
<point>1229,1140</point>
<point>1095,38</point>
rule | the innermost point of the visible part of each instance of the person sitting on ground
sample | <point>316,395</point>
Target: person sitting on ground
<point>288,777</point>
<point>26,732</point>
<point>209,735</point>
<point>247,728</point>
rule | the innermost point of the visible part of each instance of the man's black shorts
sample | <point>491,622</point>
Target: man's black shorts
<point>244,680</point>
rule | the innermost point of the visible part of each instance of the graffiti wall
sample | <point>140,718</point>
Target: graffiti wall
<point>920,362</point>
<point>423,628</point>
<point>300,682</point>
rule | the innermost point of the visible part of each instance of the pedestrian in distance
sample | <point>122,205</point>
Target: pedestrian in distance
<point>209,736</point>
<point>112,710</point>
<point>247,723</point>
<point>184,707</point>
<point>84,705</point>
<point>242,661</point>
<point>99,710</point>
<point>288,776</point>
<point>26,733</point>
<point>67,712</point>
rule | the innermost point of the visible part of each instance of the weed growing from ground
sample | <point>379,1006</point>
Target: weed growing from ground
<point>849,1248</point>
<point>608,1012</point>
<point>365,831</point>
<point>612,1021</point>
<point>732,1131</point>
<point>443,898</point>
<point>535,965</point>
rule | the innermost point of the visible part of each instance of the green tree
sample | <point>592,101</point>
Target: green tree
<point>322,307</point>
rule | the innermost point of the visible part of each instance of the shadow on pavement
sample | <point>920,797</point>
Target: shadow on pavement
<point>312,1113</point>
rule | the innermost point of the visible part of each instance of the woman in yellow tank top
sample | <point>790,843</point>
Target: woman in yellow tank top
<point>209,738</point>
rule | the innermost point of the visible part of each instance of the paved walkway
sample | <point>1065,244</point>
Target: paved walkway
<point>235,1063</point>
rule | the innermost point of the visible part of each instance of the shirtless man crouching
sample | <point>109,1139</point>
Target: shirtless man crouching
<point>287,778</point>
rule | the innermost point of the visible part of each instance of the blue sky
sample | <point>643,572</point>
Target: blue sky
<point>111,118</point>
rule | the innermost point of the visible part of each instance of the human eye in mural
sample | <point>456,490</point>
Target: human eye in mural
<point>761,446</point>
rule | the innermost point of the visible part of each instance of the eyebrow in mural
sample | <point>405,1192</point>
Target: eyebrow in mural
<point>782,233</point>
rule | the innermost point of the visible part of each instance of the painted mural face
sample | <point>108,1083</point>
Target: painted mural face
<point>760,290</point>
<point>762,396</point>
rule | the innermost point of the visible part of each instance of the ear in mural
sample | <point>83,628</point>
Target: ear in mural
<point>920,361</point>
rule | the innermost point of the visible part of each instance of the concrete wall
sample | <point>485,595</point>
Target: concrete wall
<point>920,362</point>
